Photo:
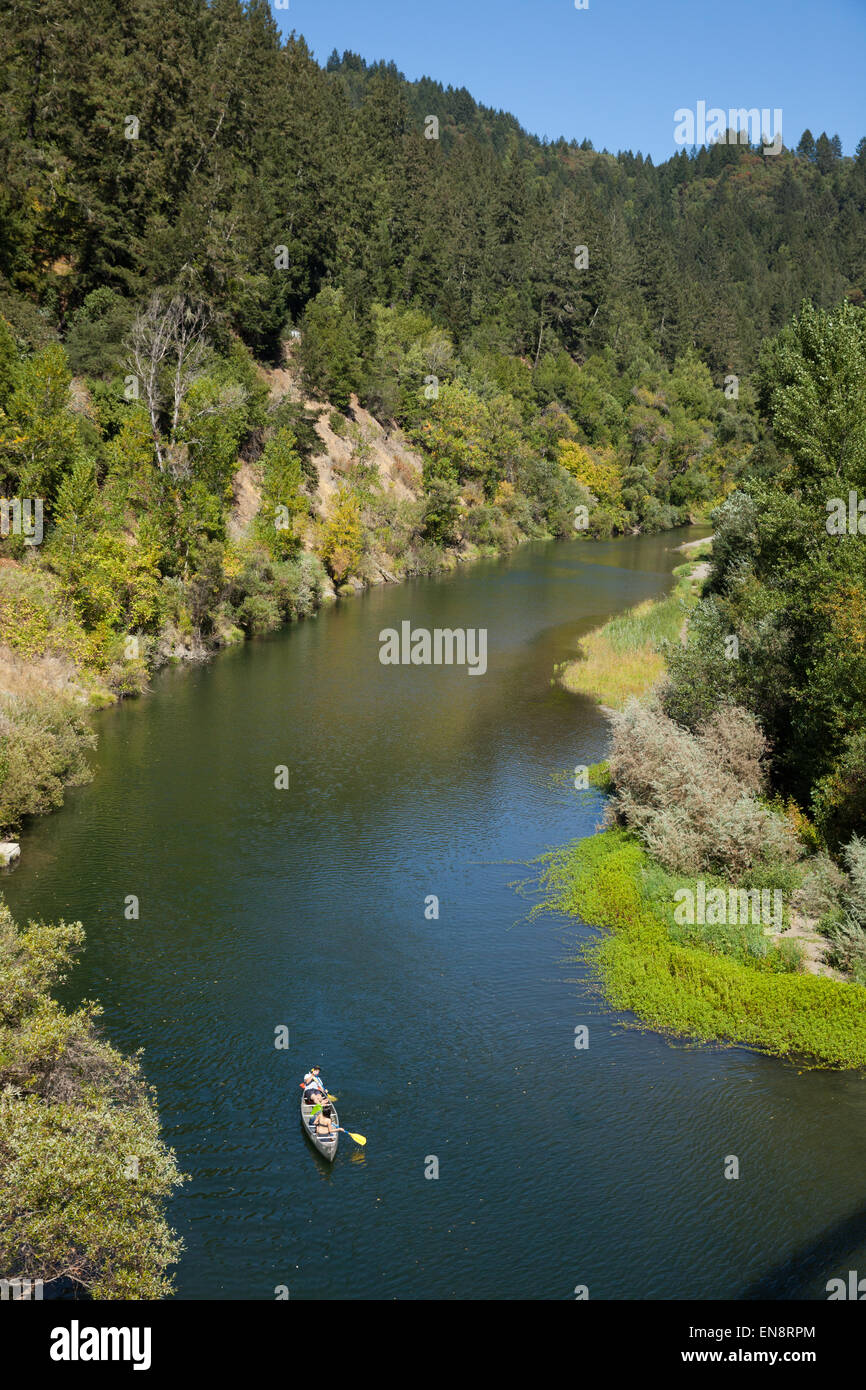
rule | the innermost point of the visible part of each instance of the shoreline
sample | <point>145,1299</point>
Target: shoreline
<point>50,676</point>
<point>47,674</point>
<point>787,1003</point>
<point>621,659</point>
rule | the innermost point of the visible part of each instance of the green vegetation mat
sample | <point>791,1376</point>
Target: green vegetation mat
<point>683,990</point>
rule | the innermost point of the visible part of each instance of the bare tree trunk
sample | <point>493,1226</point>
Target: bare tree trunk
<point>166,335</point>
<point>540,338</point>
<point>34,91</point>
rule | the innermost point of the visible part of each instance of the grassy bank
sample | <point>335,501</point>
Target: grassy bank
<point>685,807</point>
<point>678,988</point>
<point>625,657</point>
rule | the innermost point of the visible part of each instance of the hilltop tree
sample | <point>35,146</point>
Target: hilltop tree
<point>806,147</point>
<point>825,153</point>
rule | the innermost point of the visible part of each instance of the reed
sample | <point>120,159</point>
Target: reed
<point>625,657</point>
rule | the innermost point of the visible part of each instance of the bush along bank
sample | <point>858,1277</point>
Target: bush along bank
<point>725,916</point>
<point>84,1171</point>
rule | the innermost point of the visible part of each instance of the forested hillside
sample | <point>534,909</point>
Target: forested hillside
<point>269,328</point>
<point>536,293</point>
<point>244,145</point>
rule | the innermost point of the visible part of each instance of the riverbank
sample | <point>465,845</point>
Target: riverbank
<point>86,622</point>
<point>56,667</point>
<point>624,658</point>
<point>51,681</point>
<point>266,491</point>
<point>690,817</point>
<point>610,881</point>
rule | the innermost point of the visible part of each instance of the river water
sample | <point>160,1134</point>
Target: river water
<point>449,1039</point>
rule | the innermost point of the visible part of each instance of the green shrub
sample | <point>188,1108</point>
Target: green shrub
<point>298,586</point>
<point>599,775</point>
<point>258,614</point>
<point>84,1173</point>
<point>839,798</point>
<point>425,558</point>
<point>43,745</point>
<point>847,947</point>
<point>441,517</point>
<point>820,891</point>
<point>343,541</point>
<point>283,502</point>
<point>846,927</point>
<point>261,593</point>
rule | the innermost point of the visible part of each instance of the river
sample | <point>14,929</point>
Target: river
<point>450,1039</point>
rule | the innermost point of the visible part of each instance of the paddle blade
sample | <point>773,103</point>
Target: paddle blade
<point>358,1138</point>
<point>330,1097</point>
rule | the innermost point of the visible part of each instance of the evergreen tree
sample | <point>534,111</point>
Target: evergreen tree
<point>329,351</point>
<point>806,147</point>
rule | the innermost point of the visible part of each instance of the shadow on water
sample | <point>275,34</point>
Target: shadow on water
<point>801,1274</point>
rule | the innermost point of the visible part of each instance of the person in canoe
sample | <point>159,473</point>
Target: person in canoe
<point>324,1124</point>
<point>313,1087</point>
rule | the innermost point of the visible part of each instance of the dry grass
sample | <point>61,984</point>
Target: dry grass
<point>610,674</point>
<point>47,674</point>
<point>623,659</point>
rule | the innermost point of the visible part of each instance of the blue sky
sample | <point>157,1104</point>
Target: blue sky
<point>617,71</point>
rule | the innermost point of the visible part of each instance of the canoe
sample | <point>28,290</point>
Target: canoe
<point>327,1148</point>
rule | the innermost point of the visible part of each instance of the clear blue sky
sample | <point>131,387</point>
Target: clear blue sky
<point>617,71</point>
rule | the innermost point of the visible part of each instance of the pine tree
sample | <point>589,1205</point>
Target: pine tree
<point>806,147</point>
<point>77,520</point>
<point>329,352</point>
<point>825,155</point>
